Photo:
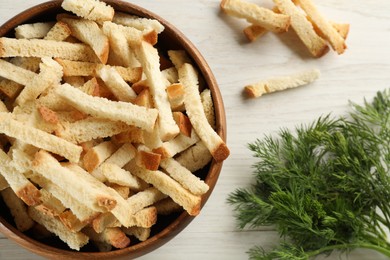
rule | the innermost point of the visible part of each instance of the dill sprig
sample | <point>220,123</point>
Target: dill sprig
<point>324,186</point>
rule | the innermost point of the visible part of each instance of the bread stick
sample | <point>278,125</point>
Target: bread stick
<point>94,10</point>
<point>103,108</point>
<point>137,22</point>
<point>87,188</point>
<point>150,62</point>
<point>10,47</point>
<point>18,210</point>
<point>140,233</point>
<point>50,75</point>
<point>38,138</point>
<point>281,83</point>
<point>97,155</point>
<point>77,68</point>
<point>33,30</point>
<point>59,32</point>
<point>74,240</point>
<point>125,55</point>
<point>90,33</point>
<point>22,187</point>
<point>184,176</point>
<point>178,144</point>
<point>117,85</point>
<point>195,158</point>
<point>256,15</point>
<point>79,208</point>
<point>113,236</point>
<point>15,73</point>
<point>195,112</point>
<point>173,189</point>
<point>327,30</point>
<point>304,29</point>
<point>116,174</point>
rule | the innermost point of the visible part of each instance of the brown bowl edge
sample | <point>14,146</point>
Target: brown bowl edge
<point>211,179</point>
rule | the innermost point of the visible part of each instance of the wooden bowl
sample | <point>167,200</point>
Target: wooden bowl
<point>166,227</point>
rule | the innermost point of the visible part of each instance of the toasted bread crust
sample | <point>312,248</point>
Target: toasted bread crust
<point>10,88</point>
<point>116,237</point>
<point>149,160</point>
<point>144,99</point>
<point>150,37</point>
<point>97,155</point>
<point>124,191</point>
<point>183,122</point>
<point>48,115</point>
<point>221,152</point>
<point>163,152</point>
<point>3,182</point>
<point>254,32</point>
<point>132,135</point>
<point>176,96</point>
<point>140,86</point>
<point>107,203</point>
<point>71,221</point>
<point>30,195</point>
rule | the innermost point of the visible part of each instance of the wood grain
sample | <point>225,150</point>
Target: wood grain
<point>358,73</point>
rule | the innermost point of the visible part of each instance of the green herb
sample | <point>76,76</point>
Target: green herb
<point>324,187</point>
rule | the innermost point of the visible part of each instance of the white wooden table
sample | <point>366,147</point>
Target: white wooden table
<point>361,71</point>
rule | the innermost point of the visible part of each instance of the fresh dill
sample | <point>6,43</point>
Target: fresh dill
<point>324,186</point>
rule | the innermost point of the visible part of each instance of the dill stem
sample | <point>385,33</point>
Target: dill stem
<point>377,248</point>
<point>373,240</point>
<point>384,221</point>
<point>386,213</point>
<point>375,233</point>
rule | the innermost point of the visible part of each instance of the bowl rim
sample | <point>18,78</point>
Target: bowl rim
<point>211,179</point>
